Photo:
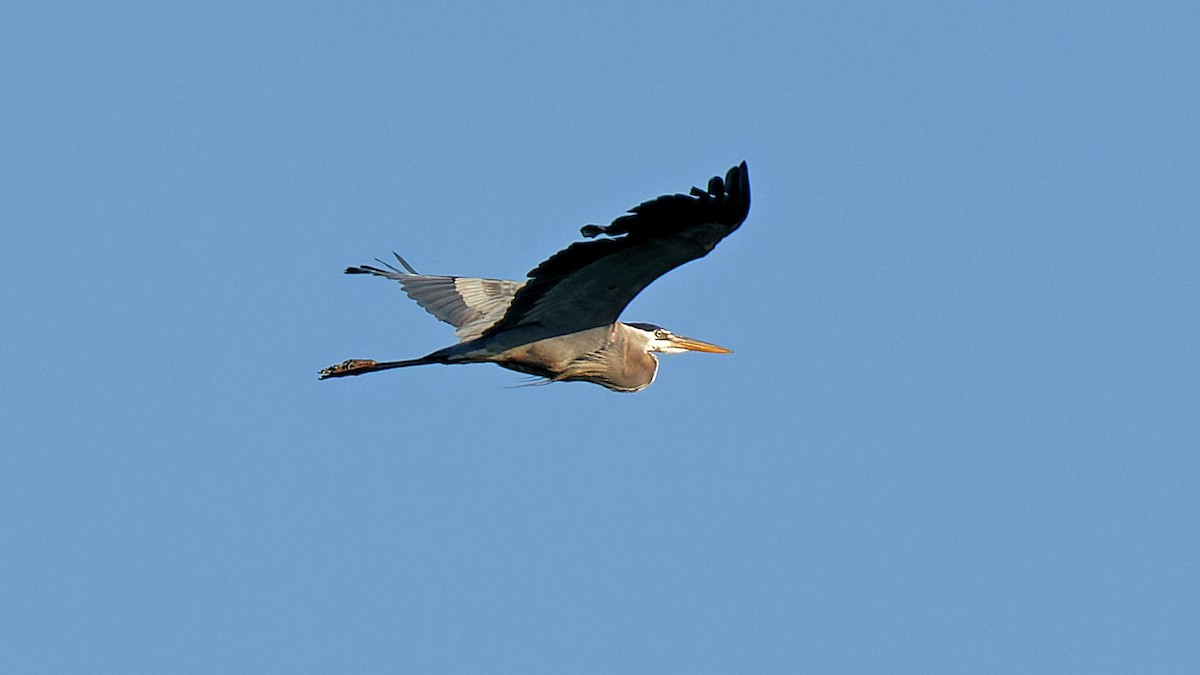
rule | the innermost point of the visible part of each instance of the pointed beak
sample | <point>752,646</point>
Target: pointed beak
<point>695,345</point>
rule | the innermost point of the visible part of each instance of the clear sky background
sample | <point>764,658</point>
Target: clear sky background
<point>959,433</point>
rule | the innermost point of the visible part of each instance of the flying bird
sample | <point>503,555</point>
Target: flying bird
<point>561,324</point>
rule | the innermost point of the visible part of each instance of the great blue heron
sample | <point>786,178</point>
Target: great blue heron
<point>561,323</point>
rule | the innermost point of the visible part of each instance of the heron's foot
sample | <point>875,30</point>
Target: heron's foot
<point>350,367</point>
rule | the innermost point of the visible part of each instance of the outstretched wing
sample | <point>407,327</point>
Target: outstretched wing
<point>470,305</point>
<point>590,283</point>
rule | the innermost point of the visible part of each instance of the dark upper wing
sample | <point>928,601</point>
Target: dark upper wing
<point>589,283</point>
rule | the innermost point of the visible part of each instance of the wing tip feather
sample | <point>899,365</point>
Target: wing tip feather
<point>730,196</point>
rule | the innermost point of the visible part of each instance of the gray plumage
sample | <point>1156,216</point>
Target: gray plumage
<point>562,323</point>
<point>470,305</point>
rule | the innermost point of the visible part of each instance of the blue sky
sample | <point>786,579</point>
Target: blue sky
<point>958,433</point>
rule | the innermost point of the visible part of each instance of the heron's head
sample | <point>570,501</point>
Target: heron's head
<point>659,339</point>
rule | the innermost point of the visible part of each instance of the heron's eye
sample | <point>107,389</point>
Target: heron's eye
<point>660,334</point>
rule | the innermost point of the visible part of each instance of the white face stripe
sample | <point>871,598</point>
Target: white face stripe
<point>665,345</point>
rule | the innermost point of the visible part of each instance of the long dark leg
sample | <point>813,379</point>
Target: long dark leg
<point>360,366</point>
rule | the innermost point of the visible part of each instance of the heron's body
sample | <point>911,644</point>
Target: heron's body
<point>561,324</point>
<point>611,356</point>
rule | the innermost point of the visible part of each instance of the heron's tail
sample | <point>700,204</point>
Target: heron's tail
<point>360,366</point>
